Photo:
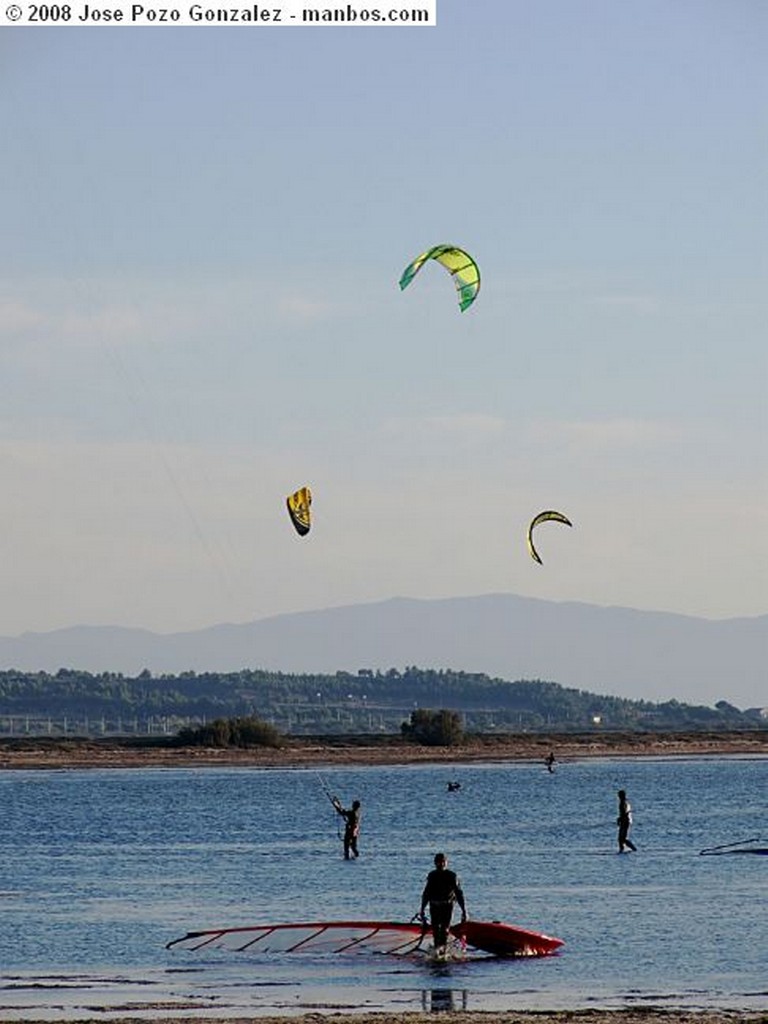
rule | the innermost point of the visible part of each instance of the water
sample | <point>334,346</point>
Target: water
<point>100,868</point>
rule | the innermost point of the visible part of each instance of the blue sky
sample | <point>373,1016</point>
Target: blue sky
<point>203,230</point>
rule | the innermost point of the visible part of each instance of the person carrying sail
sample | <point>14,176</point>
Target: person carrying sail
<point>351,826</point>
<point>441,891</point>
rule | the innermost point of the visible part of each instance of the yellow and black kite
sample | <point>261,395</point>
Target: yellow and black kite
<point>298,509</point>
<point>543,517</point>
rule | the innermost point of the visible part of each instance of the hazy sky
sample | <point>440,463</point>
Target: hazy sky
<point>202,236</point>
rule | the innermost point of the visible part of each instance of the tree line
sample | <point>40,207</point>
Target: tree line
<point>364,702</point>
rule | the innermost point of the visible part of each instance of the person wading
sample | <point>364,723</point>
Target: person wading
<point>624,821</point>
<point>351,826</point>
<point>441,891</point>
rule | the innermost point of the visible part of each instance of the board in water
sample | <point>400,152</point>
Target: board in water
<point>742,849</point>
<point>740,846</point>
<point>391,937</point>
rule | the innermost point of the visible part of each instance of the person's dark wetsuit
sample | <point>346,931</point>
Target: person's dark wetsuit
<point>351,827</point>
<point>624,821</point>
<point>441,891</point>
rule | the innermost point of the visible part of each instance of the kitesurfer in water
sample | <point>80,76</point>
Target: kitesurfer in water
<point>441,891</point>
<point>550,761</point>
<point>351,826</point>
<point>624,821</point>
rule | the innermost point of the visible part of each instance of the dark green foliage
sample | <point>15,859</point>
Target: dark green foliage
<point>434,728</point>
<point>367,701</point>
<point>231,732</point>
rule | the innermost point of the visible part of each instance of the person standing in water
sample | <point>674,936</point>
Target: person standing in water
<point>624,821</point>
<point>550,761</point>
<point>441,891</point>
<point>351,826</point>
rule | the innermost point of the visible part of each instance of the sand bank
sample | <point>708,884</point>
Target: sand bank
<point>299,752</point>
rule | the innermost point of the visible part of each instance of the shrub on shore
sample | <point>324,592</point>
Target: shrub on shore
<point>434,728</point>
<point>231,732</point>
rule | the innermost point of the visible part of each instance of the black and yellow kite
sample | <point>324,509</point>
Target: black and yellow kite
<point>299,510</point>
<point>543,517</point>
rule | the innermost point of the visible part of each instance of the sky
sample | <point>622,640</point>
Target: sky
<point>202,235</point>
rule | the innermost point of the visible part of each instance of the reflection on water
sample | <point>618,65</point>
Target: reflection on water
<point>100,869</point>
<point>438,1000</point>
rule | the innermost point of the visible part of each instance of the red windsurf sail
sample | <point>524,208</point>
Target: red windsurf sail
<point>391,937</point>
<point>505,939</point>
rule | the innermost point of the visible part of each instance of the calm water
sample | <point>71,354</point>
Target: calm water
<point>99,869</point>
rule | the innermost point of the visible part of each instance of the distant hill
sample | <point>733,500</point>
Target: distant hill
<point>640,655</point>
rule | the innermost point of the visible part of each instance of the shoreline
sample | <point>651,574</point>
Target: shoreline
<point>627,1015</point>
<point>302,752</point>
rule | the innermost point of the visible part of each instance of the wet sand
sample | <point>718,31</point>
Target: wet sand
<point>644,1015</point>
<point>299,752</point>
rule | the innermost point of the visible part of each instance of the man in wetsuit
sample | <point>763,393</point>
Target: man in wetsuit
<point>442,890</point>
<point>351,826</point>
<point>624,821</point>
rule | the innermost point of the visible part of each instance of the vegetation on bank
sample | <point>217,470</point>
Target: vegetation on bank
<point>231,732</point>
<point>434,728</point>
<point>72,701</point>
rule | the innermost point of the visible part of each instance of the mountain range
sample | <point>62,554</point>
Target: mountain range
<point>642,655</point>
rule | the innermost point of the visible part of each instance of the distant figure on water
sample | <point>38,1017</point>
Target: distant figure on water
<point>454,787</point>
<point>441,891</point>
<point>550,761</point>
<point>624,821</point>
<point>351,826</point>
